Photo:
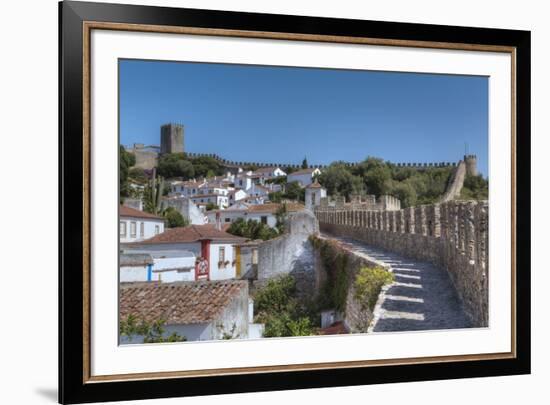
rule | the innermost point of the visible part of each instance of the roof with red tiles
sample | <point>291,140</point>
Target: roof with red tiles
<point>315,184</point>
<point>179,303</point>
<point>192,233</point>
<point>337,328</point>
<point>132,212</point>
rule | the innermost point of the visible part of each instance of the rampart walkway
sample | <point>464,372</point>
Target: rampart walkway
<point>421,298</point>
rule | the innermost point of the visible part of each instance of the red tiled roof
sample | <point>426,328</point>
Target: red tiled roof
<point>192,233</point>
<point>274,207</point>
<point>131,212</point>
<point>337,328</point>
<point>178,303</point>
<point>315,184</point>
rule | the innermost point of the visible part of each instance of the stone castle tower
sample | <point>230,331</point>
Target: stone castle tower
<point>171,138</point>
<point>471,165</point>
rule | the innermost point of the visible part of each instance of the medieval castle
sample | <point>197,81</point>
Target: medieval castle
<point>172,140</point>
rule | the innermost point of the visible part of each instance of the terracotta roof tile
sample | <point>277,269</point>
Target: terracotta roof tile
<point>315,184</point>
<point>132,212</point>
<point>337,328</point>
<point>274,207</point>
<point>178,303</point>
<point>192,233</point>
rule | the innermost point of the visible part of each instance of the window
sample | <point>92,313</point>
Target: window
<point>227,219</point>
<point>142,229</point>
<point>132,229</point>
<point>157,229</point>
<point>263,218</point>
<point>221,254</point>
<point>123,229</point>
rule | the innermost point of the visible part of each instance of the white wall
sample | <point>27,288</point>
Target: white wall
<point>149,229</point>
<point>233,215</point>
<point>37,43</point>
<point>222,273</point>
<point>131,274</point>
<point>303,179</point>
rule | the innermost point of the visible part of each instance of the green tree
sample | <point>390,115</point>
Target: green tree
<point>294,191</point>
<point>138,175</point>
<point>475,188</point>
<point>338,180</point>
<point>206,166</point>
<point>304,163</point>
<point>279,308</point>
<point>405,192</point>
<point>174,219</point>
<point>126,161</point>
<point>175,165</point>
<point>252,229</point>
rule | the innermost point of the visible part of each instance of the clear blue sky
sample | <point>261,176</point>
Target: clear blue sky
<point>281,114</point>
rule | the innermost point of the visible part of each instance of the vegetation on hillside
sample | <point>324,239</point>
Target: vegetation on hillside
<point>375,176</point>
<point>475,188</point>
<point>180,165</point>
<point>126,160</point>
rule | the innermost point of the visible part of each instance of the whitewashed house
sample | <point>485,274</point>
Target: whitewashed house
<point>187,188</point>
<point>266,173</point>
<point>304,176</point>
<point>264,213</point>
<point>214,249</point>
<point>243,181</point>
<point>258,190</point>
<point>222,201</point>
<point>236,195</point>
<point>135,225</point>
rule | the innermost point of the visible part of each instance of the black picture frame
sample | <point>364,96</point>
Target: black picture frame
<point>72,385</point>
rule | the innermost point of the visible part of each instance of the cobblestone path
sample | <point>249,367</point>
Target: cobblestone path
<point>421,298</point>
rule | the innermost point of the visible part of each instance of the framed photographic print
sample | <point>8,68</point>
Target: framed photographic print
<point>255,202</point>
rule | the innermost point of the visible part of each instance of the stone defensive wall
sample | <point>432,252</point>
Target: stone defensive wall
<point>452,235</point>
<point>291,253</point>
<point>236,164</point>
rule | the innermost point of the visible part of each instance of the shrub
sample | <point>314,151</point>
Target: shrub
<point>282,312</point>
<point>174,219</point>
<point>152,332</point>
<point>368,284</point>
<point>252,229</point>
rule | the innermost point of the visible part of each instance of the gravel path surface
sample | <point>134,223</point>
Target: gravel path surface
<point>421,298</point>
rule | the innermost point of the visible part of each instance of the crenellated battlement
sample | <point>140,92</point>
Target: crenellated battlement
<point>453,235</point>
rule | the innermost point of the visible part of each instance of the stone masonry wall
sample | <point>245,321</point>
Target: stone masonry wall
<point>290,253</point>
<point>452,235</point>
<point>356,317</point>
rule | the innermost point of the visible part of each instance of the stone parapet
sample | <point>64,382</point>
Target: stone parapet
<point>452,235</point>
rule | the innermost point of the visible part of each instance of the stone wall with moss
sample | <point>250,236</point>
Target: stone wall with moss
<point>337,268</point>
